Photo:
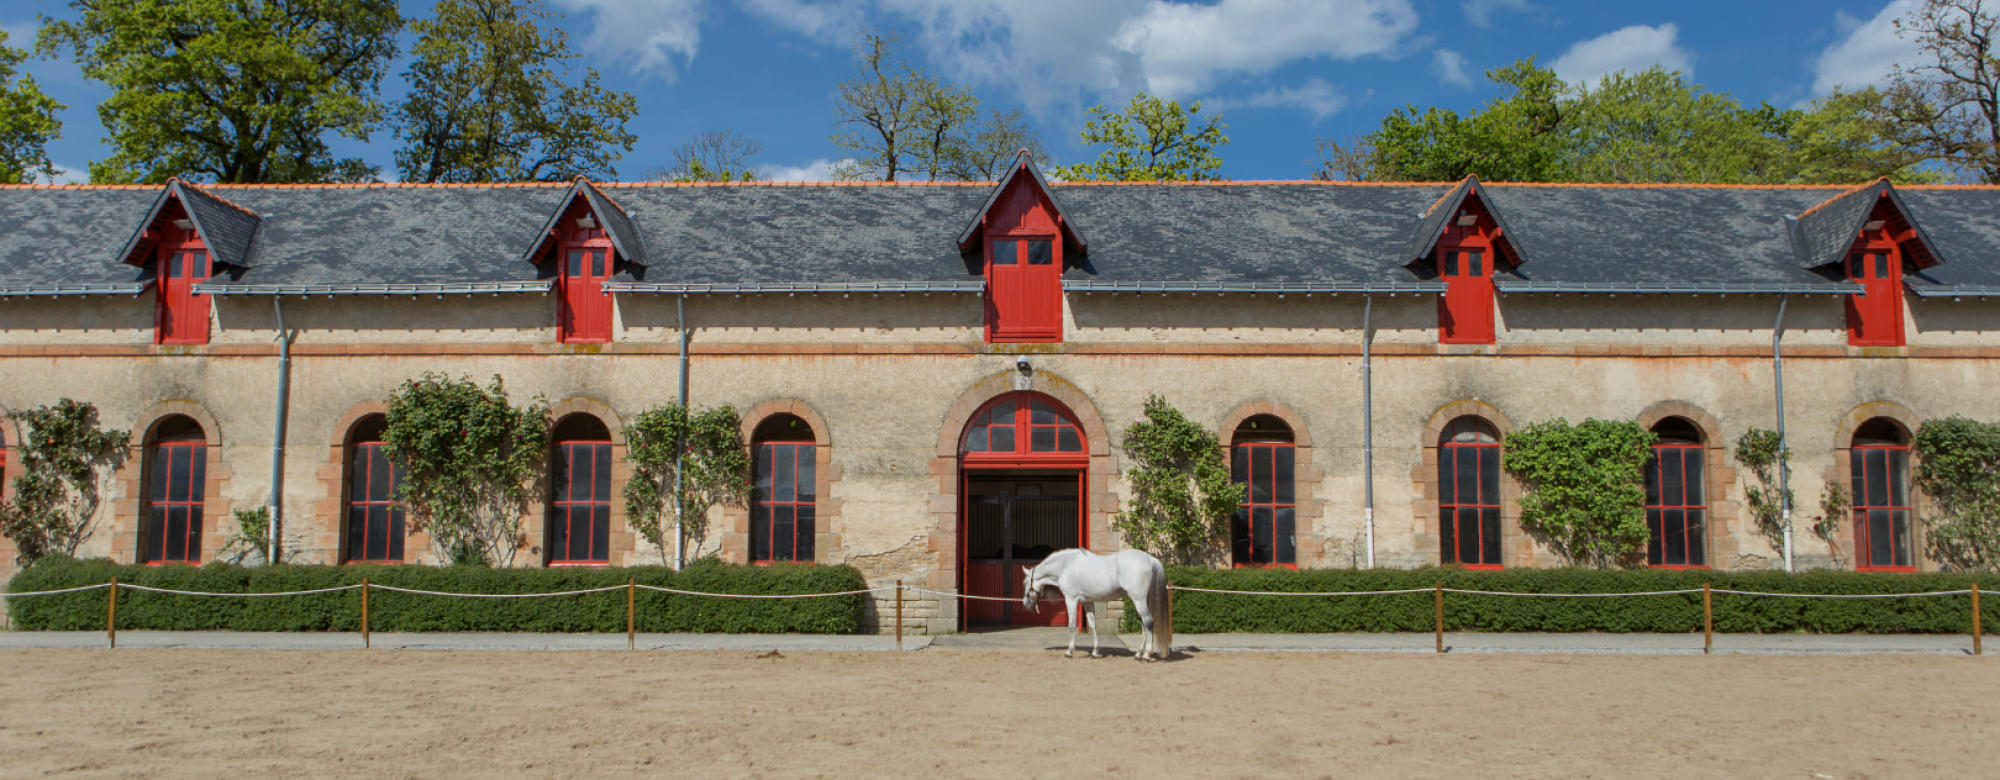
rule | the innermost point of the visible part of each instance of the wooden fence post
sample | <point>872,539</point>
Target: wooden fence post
<point>366,641</point>
<point>631,604</point>
<point>1440,617</point>
<point>1976,632</point>
<point>1707,622</point>
<point>899,614</point>
<point>111,615</point>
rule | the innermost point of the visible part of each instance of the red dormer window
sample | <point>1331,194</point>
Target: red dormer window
<point>1465,260</point>
<point>1024,265</point>
<point>1875,317</point>
<point>586,258</point>
<point>181,315</point>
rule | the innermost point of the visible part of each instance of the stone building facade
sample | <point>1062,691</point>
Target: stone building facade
<point>934,377</point>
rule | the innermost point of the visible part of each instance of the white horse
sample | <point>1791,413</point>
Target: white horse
<point>1084,577</point>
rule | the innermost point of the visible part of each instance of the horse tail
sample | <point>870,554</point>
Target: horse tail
<point>1160,607</point>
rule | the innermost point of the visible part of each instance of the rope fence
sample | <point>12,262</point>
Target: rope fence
<point>631,588</point>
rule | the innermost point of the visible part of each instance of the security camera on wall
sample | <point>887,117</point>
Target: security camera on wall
<point>1021,365</point>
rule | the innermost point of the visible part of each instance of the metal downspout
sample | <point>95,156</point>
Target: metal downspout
<point>1784,468</point>
<point>680,538</point>
<point>1368,422</point>
<point>278,431</point>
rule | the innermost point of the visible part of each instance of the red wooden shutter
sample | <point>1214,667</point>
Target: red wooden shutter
<point>182,316</point>
<point>1465,313</point>
<point>1875,317</point>
<point>1023,290</point>
<point>586,308</point>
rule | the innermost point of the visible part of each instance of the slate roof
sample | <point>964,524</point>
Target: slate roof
<point>1824,233</point>
<point>1245,236</point>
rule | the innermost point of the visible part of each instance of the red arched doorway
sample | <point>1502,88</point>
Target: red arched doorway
<point>1022,460</point>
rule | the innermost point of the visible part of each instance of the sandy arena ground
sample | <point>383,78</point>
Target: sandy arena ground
<point>999,714</point>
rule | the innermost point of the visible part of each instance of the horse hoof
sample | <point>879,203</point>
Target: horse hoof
<point>1095,655</point>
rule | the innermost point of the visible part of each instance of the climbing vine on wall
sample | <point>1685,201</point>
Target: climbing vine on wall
<point>66,462</point>
<point>467,456</point>
<point>1182,497</point>
<point>1958,467</point>
<point>1583,486</point>
<point>705,447</point>
<point>1761,451</point>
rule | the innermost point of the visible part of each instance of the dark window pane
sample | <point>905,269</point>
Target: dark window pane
<point>1042,414</point>
<point>783,474</point>
<point>603,262</point>
<point>176,534</point>
<point>1489,530</point>
<point>179,469</point>
<point>1854,267</point>
<point>1470,536</point>
<point>1006,253</point>
<point>1653,477</point>
<point>1281,474</point>
<point>355,541</point>
<point>601,470</point>
<point>1473,264</point>
<point>559,533</point>
<point>1448,536</point>
<point>1856,470</point>
<point>1697,544</point>
<point>1285,527</point>
<point>1878,477</point>
<point>381,486</point>
<point>152,542</point>
<point>760,532</point>
<point>1899,477</point>
<point>1003,414</point>
<point>808,470</point>
<point>1039,253</point>
<point>600,532</point>
<point>1239,536</point>
<point>807,526</point>
<point>1041,439</point>
<point>1655,541</point>
<point>1671,489</point>
<point>760,485</point>
<point>1067,440</point>
<point>1466,469</point>
<point>1900,525</point>
<point>575,262</point>
<point>1003,437</point>
<point>1881,266</point>
<point>1239,465</point>
<point>1489,475</point>
<point>1260,534</point>
<point>1675,543</point>
<point>1880,539</point>
<point>1692,482</point>
<point>1447,476</point>
<point>782,532</point>
<point>975,439</point>
<point>157,490</point>
<point>1450,263</point>
<point>1260,475</point>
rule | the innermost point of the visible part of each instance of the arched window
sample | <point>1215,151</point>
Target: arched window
<point>1261,458</point>
<point>782,512</point>
<point>1676,506</point>
<point>374,516</point>
<point>1025,425</point>
<point>1469,494</point>
<point>1880,464</point>
<point>579,524</point>
<point>176,475</point>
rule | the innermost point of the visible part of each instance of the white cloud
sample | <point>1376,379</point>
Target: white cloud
<point>1480,12</point>
<point>1630,49</point>
<point>817,170</point>
<point>1867,53</point>
<point>1315,97</point>
<point>1059,51</point>
<point>1449,67</point>
<point>648,34</point>
<point>829,20</point>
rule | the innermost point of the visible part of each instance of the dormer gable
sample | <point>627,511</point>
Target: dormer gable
<point>1022,203</point>
<point>1828,232</point>
<point>227,230</point>
<point>585,207</point>
<point>1462,241</point>
<point>1461,214</point>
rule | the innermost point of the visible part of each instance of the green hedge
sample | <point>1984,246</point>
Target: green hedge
<point>1216,613</point>
<point>401,612</point>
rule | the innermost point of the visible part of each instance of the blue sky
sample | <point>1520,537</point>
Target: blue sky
<point>1282,72</point>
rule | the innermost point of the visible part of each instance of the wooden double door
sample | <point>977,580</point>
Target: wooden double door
<point>1012,520</point>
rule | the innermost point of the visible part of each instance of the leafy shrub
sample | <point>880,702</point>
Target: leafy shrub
<point>402,612</point>
<point>1223,613</point>
<point>1584,486</point>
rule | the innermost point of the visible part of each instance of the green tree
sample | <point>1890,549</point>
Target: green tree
<point>1584,486</point>
<point>492,99</point>
<point>231,90</point>
<point>27,121</point>
<point>1182,497</point>
<point>1653,126</point>
<point>1950,101</point>
<point>689,460</point>
<point>899,121</point>
<point>1154,140</point>
<point>1958,467</point>
<point>467,456</point>
<point>66,462</point>
<point>717,155</point>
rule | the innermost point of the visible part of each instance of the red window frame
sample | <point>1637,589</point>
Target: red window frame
<point>584,264</point>
<point>180,316</point>
<point>589,508</point>
<point>1677,506</point>
<point>1482,507</point>
<point>1465,261</point>
<point>174,506</point>
<point>1875,317</point>
<point>1267,470</point>
<point>1881,490</point>
<point>1037,430</point>
<point>375,519</point>
<point>783,502</point>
